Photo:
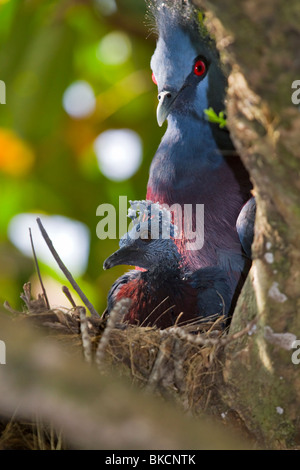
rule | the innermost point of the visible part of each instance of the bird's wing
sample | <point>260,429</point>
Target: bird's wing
<point>245,225</point>
<point>213,291</point>
<point>112,297</point>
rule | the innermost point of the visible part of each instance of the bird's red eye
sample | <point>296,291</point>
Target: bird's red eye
<point>200,68</point>
<point>154,79</point>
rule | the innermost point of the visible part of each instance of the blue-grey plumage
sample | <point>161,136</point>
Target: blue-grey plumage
<point>164,291</point>
<point>196,162</point>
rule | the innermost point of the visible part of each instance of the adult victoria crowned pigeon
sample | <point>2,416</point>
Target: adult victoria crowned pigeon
<point>196,163</point>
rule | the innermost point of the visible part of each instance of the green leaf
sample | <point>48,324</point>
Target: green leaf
<point>212,116</point>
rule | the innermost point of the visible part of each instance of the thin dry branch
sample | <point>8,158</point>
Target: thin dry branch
<point>38,270</point>
<point>200,340</point>
<point>68,295</point>
<point>86,340</point>
<point>66,272</point>
<point>119,310</point>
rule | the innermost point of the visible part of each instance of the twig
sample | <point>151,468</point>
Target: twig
<point>201,341</point>
<point>119,310</point>
<point>86,340</point>
<point>38,271</point>
<point>151,313</point>
<point>178,359</point>
<point>68,295</point>
<point>163,313</point>
<point>8,307</point>
<point>156,372</point>
<point>163,370</point>
<point>67,273</point>
<point>247,330</point>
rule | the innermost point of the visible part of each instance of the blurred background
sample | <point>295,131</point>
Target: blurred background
<point>77,129</point>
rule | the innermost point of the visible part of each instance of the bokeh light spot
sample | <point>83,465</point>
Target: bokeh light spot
<point>114,48</point>
<point>70,238</point>
<point>119,153</point>
<point>16,156</point>
<point>106,7</point>
<point>79,99</point>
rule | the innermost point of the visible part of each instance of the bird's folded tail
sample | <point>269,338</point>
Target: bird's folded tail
<point>245,225</point>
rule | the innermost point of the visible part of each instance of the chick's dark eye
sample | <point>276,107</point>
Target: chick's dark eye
<point>154,79</point>
<point>199,68</point>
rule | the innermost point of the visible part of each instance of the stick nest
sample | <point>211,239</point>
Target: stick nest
<point>173,363</point>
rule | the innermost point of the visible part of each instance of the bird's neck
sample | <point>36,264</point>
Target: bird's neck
<point>191,138</point>
<point>161,273</point>
<point>189,169</point>
<point>187,158</point>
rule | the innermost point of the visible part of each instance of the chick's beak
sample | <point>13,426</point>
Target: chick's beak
<point>121,256</point>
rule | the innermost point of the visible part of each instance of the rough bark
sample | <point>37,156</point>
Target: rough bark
<point>260,42</point>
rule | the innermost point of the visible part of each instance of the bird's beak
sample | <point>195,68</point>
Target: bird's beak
<point>121,256</point>
<point>166,99</point>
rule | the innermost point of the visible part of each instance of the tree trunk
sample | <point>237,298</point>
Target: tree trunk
<point>260,41</point>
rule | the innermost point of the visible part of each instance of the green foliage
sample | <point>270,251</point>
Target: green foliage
<point>47,161</point>
<point>212,116</point>
<point>201,23</point>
